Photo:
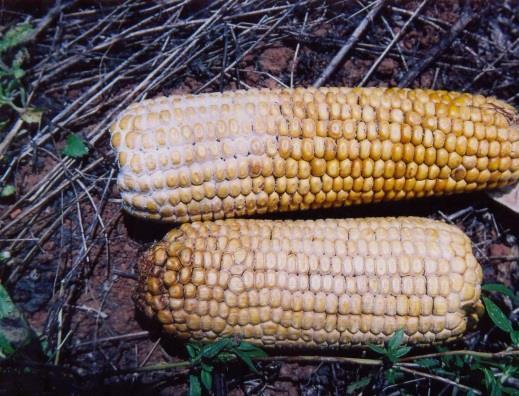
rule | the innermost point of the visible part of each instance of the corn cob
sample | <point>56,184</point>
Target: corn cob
<point>313,284</point>
<point>210,156</point>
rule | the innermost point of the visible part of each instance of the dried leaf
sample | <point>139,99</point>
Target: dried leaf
<point>4,255</point>
<point>31,116</point>
<point>508,196</point>
<point>7,191</point>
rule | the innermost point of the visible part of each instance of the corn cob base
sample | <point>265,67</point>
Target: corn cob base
<point>210,156</point>
<point>312,284</point>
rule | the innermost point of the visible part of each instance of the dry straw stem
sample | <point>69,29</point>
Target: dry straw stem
<point>392,43</point>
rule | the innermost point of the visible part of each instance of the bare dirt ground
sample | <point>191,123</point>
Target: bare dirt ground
<point>73,249</point>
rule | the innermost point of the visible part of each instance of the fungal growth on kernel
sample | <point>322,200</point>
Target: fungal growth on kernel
<point>313,283</point>
<point>212,156</point>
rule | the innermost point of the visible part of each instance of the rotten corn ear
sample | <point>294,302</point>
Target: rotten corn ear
<point>312,283</point>
<point>210,156</point>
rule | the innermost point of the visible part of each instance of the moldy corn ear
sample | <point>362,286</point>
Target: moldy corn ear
<point>313,284</point>
<point>210,156</point>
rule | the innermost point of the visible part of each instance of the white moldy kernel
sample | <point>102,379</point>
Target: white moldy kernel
<point>256,279</point>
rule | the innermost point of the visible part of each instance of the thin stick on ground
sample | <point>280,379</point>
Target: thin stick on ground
<point>248,50</point>
<point>392,43</point>
<point>355,36</point>
<point>6,141</point>
<point>468,15</point>
<point>441,379</point>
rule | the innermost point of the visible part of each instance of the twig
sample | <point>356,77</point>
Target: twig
<point>224,57</point>
<point>46,20</point>
<point>392,43</point>
<point>484,355</point>
<point>296,52</point>
<point>153,348</point>
<point>10,136</point>
<point>123,337</point>
<point>321,359</point>
<point>467,16</point>
<point>325,359</point>
<point>148,368</point>
<point>244,53</point>
<point>397,45</point>
<point>491,66</point>
<point>438,378</point>
<point>339,57</point>
<point>504,258</point>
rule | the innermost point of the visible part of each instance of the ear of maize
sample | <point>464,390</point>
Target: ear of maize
<point>210,156</point>
<point>313,284</point>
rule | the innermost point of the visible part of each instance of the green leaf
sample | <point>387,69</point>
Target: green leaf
<point>499,288</point>
<point>509,391</point>
<point>459,362</point>
<point>246,359</point>
<point>207,379</point>
<point>206,367</point>
<point>75,147</point>
<point>17,72</point>
<point>514,335</point>
<point>211,350</point>
<point>395,340</point>
<point>44,344</point>
<point>497,316</point>
<point>247,346</point>
<point>251,350</point>
<point>224,357</point>
<point>357,385</point>
<point>15,36</point>
<point>392,376</point>
<point>7,191</point>
<point>401,351</point>
<point>15,332</point>
<point>491,382</point>
<point>194,386</point>
<point>428,362</point>
<point>510,371</point>
<point>193,350</point>
<point>378,349</point>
